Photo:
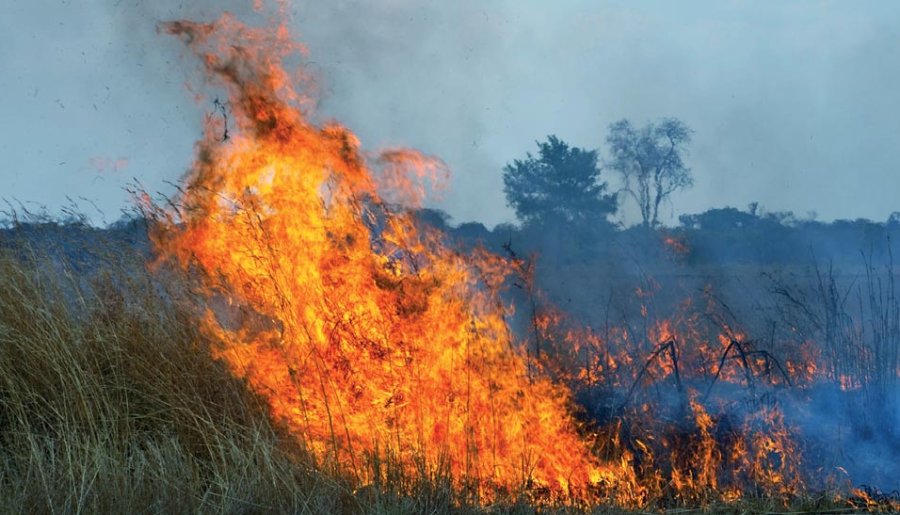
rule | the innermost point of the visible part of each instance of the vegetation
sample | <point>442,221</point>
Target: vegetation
<point>650,162</point>
<point>111,403</point>
<point>561,185</point>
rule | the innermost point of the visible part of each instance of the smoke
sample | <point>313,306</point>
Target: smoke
<point>790,104</point>
<point>783,100</point>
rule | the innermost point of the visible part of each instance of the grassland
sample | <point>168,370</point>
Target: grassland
<point>111,403</point>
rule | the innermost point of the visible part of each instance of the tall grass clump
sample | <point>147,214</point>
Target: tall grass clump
<point>110,402</point>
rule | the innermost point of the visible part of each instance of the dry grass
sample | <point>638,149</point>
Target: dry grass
<point>111,403</point>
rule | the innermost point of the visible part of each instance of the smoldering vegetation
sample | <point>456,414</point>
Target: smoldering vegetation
<point>805,313</point>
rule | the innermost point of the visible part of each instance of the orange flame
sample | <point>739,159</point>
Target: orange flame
<point>372,340</point>
<point>367,336</point>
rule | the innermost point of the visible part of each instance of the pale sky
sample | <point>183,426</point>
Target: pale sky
<point>793,104</point>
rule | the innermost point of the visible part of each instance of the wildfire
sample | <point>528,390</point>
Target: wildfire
<point>676,245</point>
<point>370,339</point>
<point>383,349</point>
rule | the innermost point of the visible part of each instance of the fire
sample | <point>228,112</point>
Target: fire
<point>678,246</point>
<point>385,351</point>
<point>369,338</point>
<point>662,415</point>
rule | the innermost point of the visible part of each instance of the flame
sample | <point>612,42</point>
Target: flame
<point>676,245</point>
<point>368,337</point>
<point>682,442</point>
<point>375,343</point>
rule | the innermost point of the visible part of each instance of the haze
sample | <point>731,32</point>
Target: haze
<point>793,105</point>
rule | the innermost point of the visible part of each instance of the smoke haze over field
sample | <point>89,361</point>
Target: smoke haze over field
<point>793,104</point>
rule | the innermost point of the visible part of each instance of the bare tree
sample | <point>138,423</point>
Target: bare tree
<point>649,160</point>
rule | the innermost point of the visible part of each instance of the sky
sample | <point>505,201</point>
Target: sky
<point>793,104</point>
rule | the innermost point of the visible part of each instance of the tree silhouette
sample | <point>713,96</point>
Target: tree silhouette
<point>560,185</point>
<point>649,160</point>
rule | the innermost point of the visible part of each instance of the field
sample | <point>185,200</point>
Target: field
<point>112,402</point>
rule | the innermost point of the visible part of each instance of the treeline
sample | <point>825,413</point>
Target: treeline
<point>719,236</point>
<point>567,199</point>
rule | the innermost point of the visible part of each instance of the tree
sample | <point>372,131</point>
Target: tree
<point>649,161</point>
<point>726,219</point>
<point>560,184</point>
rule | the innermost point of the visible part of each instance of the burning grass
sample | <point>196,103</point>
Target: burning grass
<point>372,340</point>
<point>304,345</point>
<point>112,402</point>
<point>367,337</point>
